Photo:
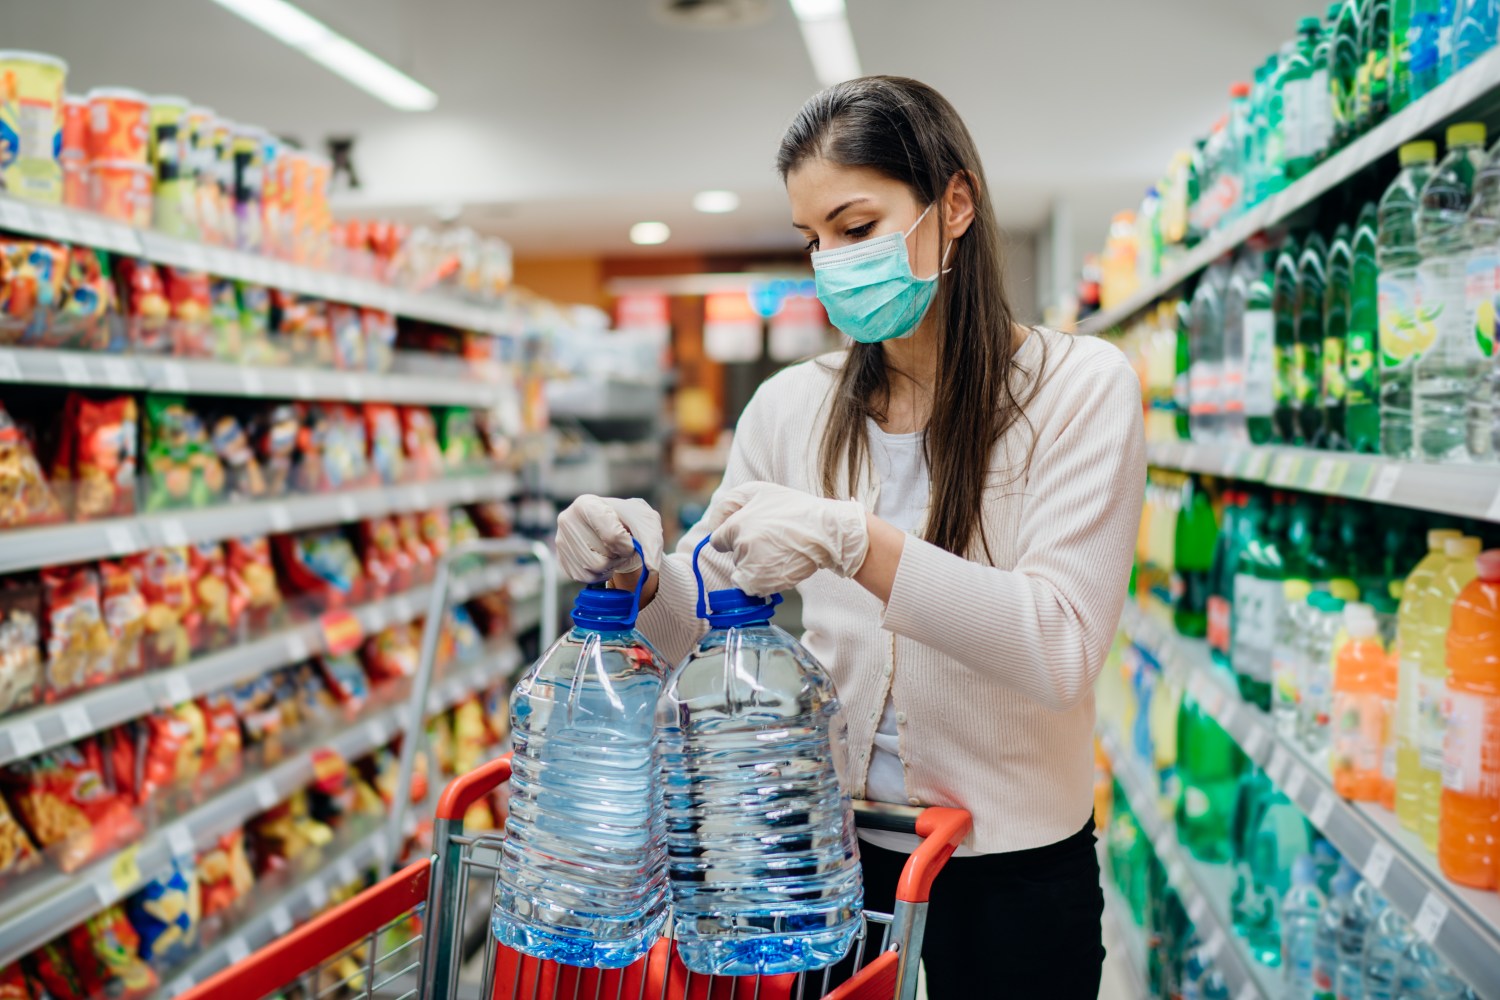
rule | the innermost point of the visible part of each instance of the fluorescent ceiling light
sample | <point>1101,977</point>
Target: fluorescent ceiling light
<point>649,234</point>
<point>830,43</point>
<point>322,44</point>
<point>716,202</point>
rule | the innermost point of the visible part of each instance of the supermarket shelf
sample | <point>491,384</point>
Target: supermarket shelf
<point>85,370</point>
<point>1204,889</point>
<point>1462,924</point>
<point>71,226</point>
<point>1459,490</point>
<point>48,726</point>
<point>1121,928</point>
<point>588,399</point>
<point>35,914</point>
<point>30,548</point>
<point>1457,95</point>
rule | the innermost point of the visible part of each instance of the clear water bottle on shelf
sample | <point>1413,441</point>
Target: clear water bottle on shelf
<point>1326,940</point>
<point>1359,916</point>
<point>1206,344</point>
<point>1301,910</point>
<point>1385,943</point>
<point>1452,369</point>
<point>762,855</point>
<point>1480,290</point>
<point>1423,975</point>
<point>1404,329</point>
<point>582,877</point>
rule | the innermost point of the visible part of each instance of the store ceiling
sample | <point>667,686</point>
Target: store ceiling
<point>561,122</point>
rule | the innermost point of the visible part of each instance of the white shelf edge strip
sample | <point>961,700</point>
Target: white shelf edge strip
<point>84,228</point>
<point>1412,122</point>
<point>41,912</point>
<point>1458,490</point>
<point>1464,924</point>
<point>1242,975</point>
<point>31,548</point>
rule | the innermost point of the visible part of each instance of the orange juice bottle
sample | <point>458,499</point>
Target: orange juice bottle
<point>1469,817</point>
<point>1358,719</point>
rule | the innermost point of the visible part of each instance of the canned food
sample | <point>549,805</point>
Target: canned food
<point>31,115</point>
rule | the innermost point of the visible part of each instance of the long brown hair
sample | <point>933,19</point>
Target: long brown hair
<point>910,133</point>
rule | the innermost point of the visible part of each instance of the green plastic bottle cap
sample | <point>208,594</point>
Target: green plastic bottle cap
<point>1466,134</point>
<point>1418,152</point>
<point>1309,24</point>
<point>1296,590</point>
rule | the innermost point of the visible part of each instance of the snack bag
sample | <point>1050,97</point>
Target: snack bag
<point>494,518</point>
<point>17,853</point>
<point>222,742</point>
<point>13,984</point>
<point>224,873</point>
<point>190,300</point>
<point>243,477</point>
<point>276,441</point>
<point>260,718</point>
<point>253,591</point>
<point>462,636</point>
<point>255,326</point>
<point>380,339</point>
<point>212,623</point>
<point>97,458</point>
<point>31,290</point>
<point>54,969</point>
<point>471,734</point>
<point>497,711</point>
<point>348,336</point>
<point>125,613</point>
<point>310,472</point>
<point>183,469</point>
<point>25,497</point>
<point>20,651</point>
<point>77,640</point>
<point>392,653</point>
<point>226,334</point>
<point>174,750</point>
<point>435,531</point>
<point>419,434</point>
<point>458,436</point>
<point>106,951</point>
<point>166,914</point>
<point>347,680</point>
<point>89,303</point>
<point>461,527</point>
<point>386,564</point>
<point>322,563</point>
<point>383,429</point>
<point>147,311</point>
<point>440,742</point>
<point>69,805</point>
<point>345,460</point>
<point>165,581</point>
<point>409,530</point>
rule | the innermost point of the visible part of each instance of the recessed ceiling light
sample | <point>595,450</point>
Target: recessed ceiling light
<point>716,202</point>
<point>830,43</point>
<point>291,26</point>
<point>649,234</point>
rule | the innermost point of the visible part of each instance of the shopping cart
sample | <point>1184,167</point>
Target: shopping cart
<point>402,939</point>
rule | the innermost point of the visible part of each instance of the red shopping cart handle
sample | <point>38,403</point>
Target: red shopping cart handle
<point>942,829</point>
<point>465,790</point>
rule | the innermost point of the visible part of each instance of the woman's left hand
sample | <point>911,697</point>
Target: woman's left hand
<point>780,537</point>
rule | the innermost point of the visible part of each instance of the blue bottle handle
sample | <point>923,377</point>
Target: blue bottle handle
<point>703,610</point>
<point>635,602</point>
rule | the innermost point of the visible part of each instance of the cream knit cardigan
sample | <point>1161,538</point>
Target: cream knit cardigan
<point>991,665</point>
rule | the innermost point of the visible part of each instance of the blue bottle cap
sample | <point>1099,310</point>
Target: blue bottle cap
<point>731,608</point>
<point>603,610</point>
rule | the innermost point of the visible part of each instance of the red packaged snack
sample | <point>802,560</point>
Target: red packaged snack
<point>436,532</point>
<point>212,623</point>
<point>89,302</point>
<point>190,300</point>
<point>166,584</point>
<point>124,616</point>
<point>253,591</point>
<point>224,873</point>
<point>419,435</point>
<point>97,457</point>
<point>25,497</point>
<point>383,429</point>
<point>302,326</point>
<point>13,984</point>
<point>122,749</point>
<point>73,629</point>
<point>392,653</point>
<point>106,954</point>
<point>147,311</point>
<point>276,434</point>
<point>409,530</point>
<point>322,565</point>
<point>69,803</point>
<point>52,966</point>
<point>174,750</point>
<point>20,648</point>
<point>310,471</point>
<point>243,477</point>
<point>347,335</point>
<point>387,565</point>
<point>18,855</point>
<point>222,742</point>
<point>493,518</point>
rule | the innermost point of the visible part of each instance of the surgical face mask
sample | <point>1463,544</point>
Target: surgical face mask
<point>869,290</point>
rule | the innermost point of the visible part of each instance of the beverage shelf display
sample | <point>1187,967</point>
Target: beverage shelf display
<point>1457,490</point>
<point>1121,931</point>
<point>1204,889</point>
<point>1462,924</point>
<point>1466,92</point>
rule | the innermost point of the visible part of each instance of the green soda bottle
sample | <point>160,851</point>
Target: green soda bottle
<point>1399,87</point>
<point>1193,545</point>
<point>1209,762</point>
<point>1301,106</point>
<point>1284,311</point>
<point>1259,347</point>
<point>1258,600</point>
<point>1307,367</point>
<point>1274,162</point>
<point>1221,577</point>
<point>1372,91</point>
<point>1344,70</point>
<point>1361,345</point>
<point>1336,306</point>
<point>1249,802</point>
<point>1180,385</point>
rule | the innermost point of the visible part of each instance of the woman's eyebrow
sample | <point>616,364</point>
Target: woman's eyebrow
<point>834,214</point>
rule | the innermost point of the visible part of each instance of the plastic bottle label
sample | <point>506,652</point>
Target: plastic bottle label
<point>1479,300</point>
<point>1319,115</point>
<point>1398,302</point>
<point>1440,300</point>
<point>1470,744</point>
<point>1334,388</point>
<point>1256,603</point>
<point>1430,692</point>
<point>1286,684</point>
<point>1359,368</point>
<point>1408,703</point>
<point>1219,612</point>
<point>1357,723</point>
<point>1304,379</point>
<point>1260,363</point>
<point>1294,118</point>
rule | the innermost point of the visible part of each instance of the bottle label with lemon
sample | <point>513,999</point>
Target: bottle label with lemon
<point>1406,329</point>
<point>1361,385</point>
<point>1479,298</point>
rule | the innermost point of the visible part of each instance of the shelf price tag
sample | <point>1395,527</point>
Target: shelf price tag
<point>1430,918</point>
<point>174,376</point>
<point>281,920</point>
<point>468,490</point>
<point>75,371</point>
<point>124,870</point>
<point>251,382</point>
<point>1294,782</point>
<point>1327,475</point>
<point>178,689</point>
<point>117,372</point>
<point>378,732</point>
<point>24,741</point>
<point>266,795</point>
<point>279,517</point>
<point>1321,810</point>
<point>76,722</point>
<point>1276,769</point>
<point>348,509</point>
<point>180,841</point>
<point>1284,470</point>
<point>236,950</point>
<point>405,611</point>
<point>1247,991</point>
<point>1255,464</point>
<point>317,894</point>
<point>121,539</point>
<point>296,648</point>
<point>1378,865</point>
<point>171,533</point>
<point>1383,487</point>
<point>1255,742</point>
<point>303,386</point>
<point>10,367</point>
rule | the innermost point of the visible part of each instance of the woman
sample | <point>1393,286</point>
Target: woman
<point>956,498</point>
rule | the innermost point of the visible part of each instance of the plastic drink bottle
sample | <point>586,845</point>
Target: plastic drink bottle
<point>1234,180</point>
<point>1361,345</point>
<point>1390,674</point>
<point>1307,372</point>
<point>1221,577</point>
<point>1469,821</point>
<point>1208,763</point>
<point>1475,23</point>
<point>1193,552</point>
<point>1385,943</point>
<point>1301,910</point>
<point>1301,119</point>
<point>1337,305</point>
<point>1364,908</point>
<point>1315,705</point>
<point>1422,44</point>
<point>1257,603</point>
<point>1258,342</point>
<point>1450,370</point>
<point>1400,54</point>
<point>1374,84</point>
<point>1457,571</point>
<point>1358,718</point>
<point>1281,836</point>
<point>1480,290</point>
<point>1148,237</point>
<point>1423,975</point>
<point>1206,345</point>
<point>1247,903</point>
<point>1330,927</point>
<point>1287,654</point>
<point>761,849</point>
<point>1421,636</point>
<point>1284,311</point>
<point>1344,65</point>
<point>1181,398</point>
<point>1277,123</point>
<point>582,876</point>
<point>1242,277</point>
<point>1405,328</point>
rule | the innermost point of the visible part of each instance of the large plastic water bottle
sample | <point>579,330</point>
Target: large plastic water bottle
<point>1206,342</point>
<point>1452,369</point>
<point>1358,917</point>
<point>1404,331</point>
<point>1326,940</point>
<point>583,872</point>
<point>761,847</point>
<point>1301,910</point>
<point>1480,290</point>
<point>1423,975</point>
<point>1385,943</point>
<point>1475,23</point>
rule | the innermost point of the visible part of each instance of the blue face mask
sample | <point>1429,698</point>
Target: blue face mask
<point>868,288</point>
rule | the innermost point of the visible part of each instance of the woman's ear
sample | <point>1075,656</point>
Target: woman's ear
<point>958,203</point>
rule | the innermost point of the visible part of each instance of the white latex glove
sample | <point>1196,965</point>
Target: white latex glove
<point>594,537</point>
<point>780,537</point>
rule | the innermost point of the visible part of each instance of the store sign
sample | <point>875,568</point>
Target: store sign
<point>799,330</point>
<point>644,312</point>
<point>731,328</point>
<point>767,297</point>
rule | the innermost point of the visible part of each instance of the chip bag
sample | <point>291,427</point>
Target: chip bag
<point>68,803</point>
<point>77,640</point>
<point>18,855</point>
<point>254,592</point>
<point>223,744</point>
<point>25,497</point>
<point>125,616</point>
<point>166,914</point>
<point>182,468</point>
<point>243,477</point>
<point>224,874</point>
<point>174,750</point>
<point>20,646</point>
<point>383,429</point>
<point>106,951</point>
<point>166,584</point>
<point>424,456</point>
<point>96,460</point>
<point>276,434</point>
<point>213,622</point>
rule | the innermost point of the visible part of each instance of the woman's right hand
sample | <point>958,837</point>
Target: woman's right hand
<point>594,536</point>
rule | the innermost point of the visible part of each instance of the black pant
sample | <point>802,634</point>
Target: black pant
<point>1018,926</point>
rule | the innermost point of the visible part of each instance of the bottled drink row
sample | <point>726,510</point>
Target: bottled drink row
<point>1323,88</point>
<point>1295,902</point>
<point>1371,635</point>
<point>1377,337</point>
